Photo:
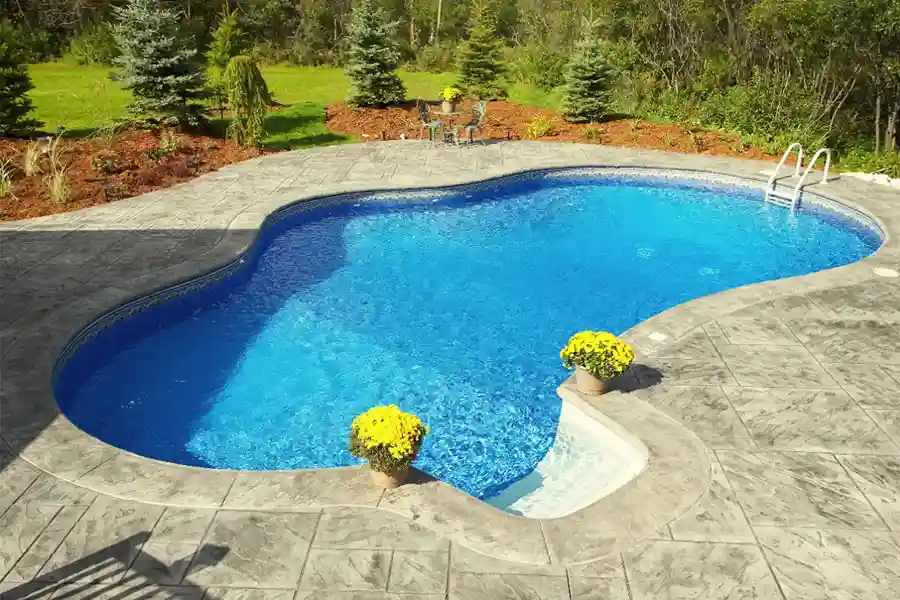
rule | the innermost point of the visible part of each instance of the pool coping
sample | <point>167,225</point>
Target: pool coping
<point>676,477</point>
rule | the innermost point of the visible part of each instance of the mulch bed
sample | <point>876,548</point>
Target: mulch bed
<point>103,169</point>
<point>125,164</point>
<point>509,121</point>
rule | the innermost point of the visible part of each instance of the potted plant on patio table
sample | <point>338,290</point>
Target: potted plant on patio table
<point>598,358</point>
<point>389,439</point>
<point>450,98</point>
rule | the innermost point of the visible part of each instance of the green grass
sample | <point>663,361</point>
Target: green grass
<point>84,98</point>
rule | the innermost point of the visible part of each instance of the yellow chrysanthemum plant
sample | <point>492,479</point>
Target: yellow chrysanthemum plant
<point>598,358</point>
<point>451,94</point>
<point>389,439</point>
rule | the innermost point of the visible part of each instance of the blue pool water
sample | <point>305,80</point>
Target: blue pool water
<point>453,308</point>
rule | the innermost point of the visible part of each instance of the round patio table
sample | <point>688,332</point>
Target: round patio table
<point>451,116</point>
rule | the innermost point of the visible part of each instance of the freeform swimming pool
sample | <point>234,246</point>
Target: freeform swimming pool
<point>451,304</point>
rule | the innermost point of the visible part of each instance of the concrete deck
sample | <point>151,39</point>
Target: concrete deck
<point>786,394</point>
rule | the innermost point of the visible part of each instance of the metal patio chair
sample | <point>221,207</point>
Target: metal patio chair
<point>427,121</point>
<point>479,109</point>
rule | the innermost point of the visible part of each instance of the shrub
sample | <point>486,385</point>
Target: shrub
<point>592,133</point>
<point>538,65</point>
<point>435,58</point>
<point>698,141</point>
<point>105,165</point>
<point>158,65</point>
<point>887,163</point>
<point>372,57</point>
<point>601,354</point>
<point>6,173</point>
<point>31,159</point>
<point>170,142</point>
<point>481,56</point>
<point>114,191</point>
<point>248,100</point>
<point>94,45</point>
<point>57,184</point>
<point>538,127</point>
<point>228,41</point>
<point>55,151</point>
<point>387,437</point>
<point>14,84</point>
<point>588,80</point>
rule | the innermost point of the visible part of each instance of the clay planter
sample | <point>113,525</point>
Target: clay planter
<point>449,107</point>
<point>389,480</point>
<point>588,384</point>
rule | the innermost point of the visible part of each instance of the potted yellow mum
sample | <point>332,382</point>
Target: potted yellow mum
<point>389,439</point>
<point>450,99</point>
<point>598,358</point>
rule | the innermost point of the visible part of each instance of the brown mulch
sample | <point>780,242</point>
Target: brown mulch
<point>509,121</point>
<point>121,165</point>
<point>130,167</point>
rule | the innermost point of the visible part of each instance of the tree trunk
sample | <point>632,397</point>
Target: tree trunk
<point>878,122</point>
<point>437,23</point>
<point>890,133</point>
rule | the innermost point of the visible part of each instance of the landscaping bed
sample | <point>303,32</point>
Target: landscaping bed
<point>111,167</point>
<point>511,121</point>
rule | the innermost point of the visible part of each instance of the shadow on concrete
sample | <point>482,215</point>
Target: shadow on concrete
<point>44,271</point>
<point>117,573</point>
<point>638,377</point>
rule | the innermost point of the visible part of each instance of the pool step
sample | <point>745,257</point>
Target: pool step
<point>792,199</point>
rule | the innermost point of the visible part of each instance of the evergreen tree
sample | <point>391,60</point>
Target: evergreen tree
<point>228,41</point>
<point>588,79</point>
<point>372,57</point>
<point>158,65</point>
<point>248,97</point>
<point>14,85</point>
<point>481,56</point>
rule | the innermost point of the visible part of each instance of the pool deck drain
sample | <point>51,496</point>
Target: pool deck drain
<point>786,394</point>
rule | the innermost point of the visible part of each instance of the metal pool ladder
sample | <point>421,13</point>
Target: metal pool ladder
<point>792,199</point>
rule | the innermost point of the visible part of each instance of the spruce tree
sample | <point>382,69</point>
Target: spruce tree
<point>228,41</point>
<point>481,55</point>
<point>158,64</point>
<point>14,85</point>
<point>588,79</point>
<point>372,57</point>
<point>248,97</point>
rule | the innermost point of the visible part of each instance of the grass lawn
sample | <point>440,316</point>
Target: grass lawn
<point>84,98</point>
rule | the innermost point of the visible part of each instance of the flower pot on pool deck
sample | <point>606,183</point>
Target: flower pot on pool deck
<point>589,384</point>
<point>390,480</point>
<point>449,107</point>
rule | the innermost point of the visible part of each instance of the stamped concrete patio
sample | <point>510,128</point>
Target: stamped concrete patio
<point>792,389</point>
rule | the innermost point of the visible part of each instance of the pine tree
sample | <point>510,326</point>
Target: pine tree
<point>248,97</point>
<point>158,65</point>
<point>228,41</point>
<point>14,85</point>
<point>481,56</point>
<point>588,79</point>
<point>372,57</point>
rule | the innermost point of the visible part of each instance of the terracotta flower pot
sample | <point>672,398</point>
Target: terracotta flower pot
<point>389,480</point>
<point>448,106</point>
<point>588,384</point>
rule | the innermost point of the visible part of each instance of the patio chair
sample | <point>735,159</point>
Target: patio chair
<point>479,109</point>
<point>433,125</point>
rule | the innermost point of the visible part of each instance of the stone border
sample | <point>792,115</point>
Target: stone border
<point>676,477</point>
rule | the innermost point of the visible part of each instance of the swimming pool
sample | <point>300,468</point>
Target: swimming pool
<point>451,304</point>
